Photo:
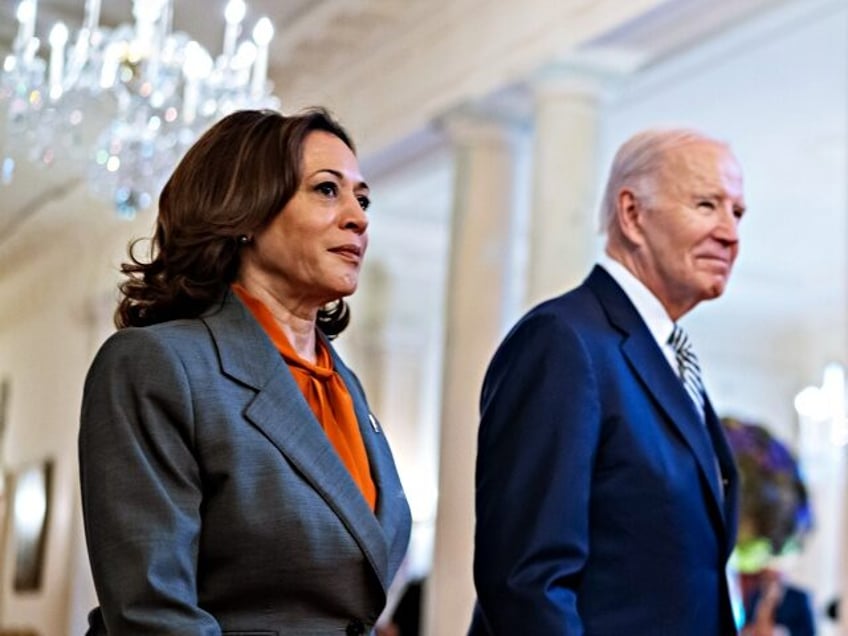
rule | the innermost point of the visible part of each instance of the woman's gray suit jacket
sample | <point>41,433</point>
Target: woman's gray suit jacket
<point>214,502</point>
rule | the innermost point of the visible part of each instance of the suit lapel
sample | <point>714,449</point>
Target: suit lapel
<point>391,502</point>
<point>368,428</point>
<point>729,472</point>
<point>281,412</point>
<point>656,375</point>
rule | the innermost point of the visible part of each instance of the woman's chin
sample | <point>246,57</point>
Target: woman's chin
<point>346,287</point>
<point>337,292</point>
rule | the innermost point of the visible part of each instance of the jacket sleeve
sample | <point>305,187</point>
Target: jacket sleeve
<point>539,432</point>
<point>141,488</point>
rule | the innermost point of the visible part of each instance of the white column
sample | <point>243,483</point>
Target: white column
<point>364,345</point>
<point>842,548</point>
<point>564,219</point>
<point>479,260</point>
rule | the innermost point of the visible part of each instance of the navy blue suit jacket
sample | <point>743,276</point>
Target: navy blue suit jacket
<point>600,510</point>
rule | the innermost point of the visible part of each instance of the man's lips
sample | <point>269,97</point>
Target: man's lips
<point>717,260</point>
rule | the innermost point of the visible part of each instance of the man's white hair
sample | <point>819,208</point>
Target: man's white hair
<point>639,163</point>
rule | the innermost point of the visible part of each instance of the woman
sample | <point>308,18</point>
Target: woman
<point>233,478</point>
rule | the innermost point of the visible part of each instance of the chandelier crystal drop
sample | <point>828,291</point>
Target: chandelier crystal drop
<point>155,89</point>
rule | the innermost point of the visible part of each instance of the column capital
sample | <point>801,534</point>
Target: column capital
<point>472,126</point>
<point>589,73</point>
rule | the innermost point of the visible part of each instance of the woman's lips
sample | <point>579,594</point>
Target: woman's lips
<point>350,252</point>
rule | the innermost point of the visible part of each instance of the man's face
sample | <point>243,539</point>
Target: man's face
<point>688,226</point>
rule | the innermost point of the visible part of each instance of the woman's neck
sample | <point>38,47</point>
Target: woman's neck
<point>296,319</point>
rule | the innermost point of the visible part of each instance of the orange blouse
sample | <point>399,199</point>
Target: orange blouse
<point>326,394</point>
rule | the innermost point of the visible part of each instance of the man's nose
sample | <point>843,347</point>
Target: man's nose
<point>728,227</point>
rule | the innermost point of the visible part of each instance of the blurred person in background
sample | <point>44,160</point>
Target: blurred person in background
<point>774,517</point>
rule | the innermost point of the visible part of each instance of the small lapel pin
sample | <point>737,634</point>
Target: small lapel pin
<point>374,423</point>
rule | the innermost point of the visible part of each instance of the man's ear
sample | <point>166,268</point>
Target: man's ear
<point>628,212</point>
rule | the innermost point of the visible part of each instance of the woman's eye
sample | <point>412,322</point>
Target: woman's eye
<point>364,202</point>
<point>328,188</point>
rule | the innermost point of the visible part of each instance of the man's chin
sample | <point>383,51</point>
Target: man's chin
<point>716,289</point>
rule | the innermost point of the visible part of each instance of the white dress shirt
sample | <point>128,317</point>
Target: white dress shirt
<point>648,306</point>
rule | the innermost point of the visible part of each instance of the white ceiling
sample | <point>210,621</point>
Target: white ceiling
<point>763,101</point>
<point>303,27</point>
<point>204,20</point>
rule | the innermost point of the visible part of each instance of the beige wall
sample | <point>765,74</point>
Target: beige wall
<point>54,311</point>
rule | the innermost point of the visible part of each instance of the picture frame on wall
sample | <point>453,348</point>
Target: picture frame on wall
<point>30,518</point>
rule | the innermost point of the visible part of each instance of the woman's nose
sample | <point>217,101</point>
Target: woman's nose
<point>355,217</point>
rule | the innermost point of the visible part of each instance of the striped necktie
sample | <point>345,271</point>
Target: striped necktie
<point>690,374</point>
<point>687,366</point>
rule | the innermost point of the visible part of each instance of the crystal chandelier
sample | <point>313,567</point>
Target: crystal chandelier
<point>125,102</point>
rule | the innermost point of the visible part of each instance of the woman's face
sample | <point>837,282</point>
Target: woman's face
<point>311,252</point>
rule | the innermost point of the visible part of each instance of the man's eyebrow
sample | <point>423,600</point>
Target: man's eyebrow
<point>712,193</point>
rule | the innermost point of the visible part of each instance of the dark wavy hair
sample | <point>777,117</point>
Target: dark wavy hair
<point>773,496</point>
<point>232,182</point>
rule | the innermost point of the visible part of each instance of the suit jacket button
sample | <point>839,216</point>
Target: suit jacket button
<point>354,628</point>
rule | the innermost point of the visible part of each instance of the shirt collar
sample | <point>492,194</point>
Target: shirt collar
<point>323,365</point>
<point>648,306</point>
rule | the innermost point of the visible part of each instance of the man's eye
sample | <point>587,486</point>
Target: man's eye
<point>364,202</point>
<point>328,188</point>
<point>707,205</point>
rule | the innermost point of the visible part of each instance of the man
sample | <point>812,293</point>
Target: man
<point>606,492</point>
